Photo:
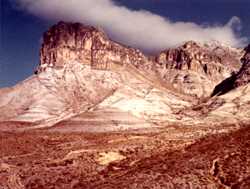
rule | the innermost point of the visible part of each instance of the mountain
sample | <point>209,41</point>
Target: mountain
<point>82,70</point>
<point>99,114</point>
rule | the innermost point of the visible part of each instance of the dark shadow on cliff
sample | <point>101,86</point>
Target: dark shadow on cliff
<point>242,77</point>
<point>225,86</point>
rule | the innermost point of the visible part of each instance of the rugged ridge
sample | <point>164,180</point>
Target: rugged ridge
<point>197,68</point>
<point>191,69</point>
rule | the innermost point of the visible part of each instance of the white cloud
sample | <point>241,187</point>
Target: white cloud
<point>141,29</point>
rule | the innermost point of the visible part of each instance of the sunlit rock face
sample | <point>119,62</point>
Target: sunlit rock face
<point>66,42</point>
<point>196,69</point>
<point>63,43</point>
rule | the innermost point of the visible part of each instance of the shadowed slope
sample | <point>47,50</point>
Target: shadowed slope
<point>242,77</point>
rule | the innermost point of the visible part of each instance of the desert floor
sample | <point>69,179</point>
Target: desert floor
<point>170,157</point>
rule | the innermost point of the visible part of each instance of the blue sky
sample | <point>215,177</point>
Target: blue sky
<point>22,28</point>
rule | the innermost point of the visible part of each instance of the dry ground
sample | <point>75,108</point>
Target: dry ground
<point>174,157</point>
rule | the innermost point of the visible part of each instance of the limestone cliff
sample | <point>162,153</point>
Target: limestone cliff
<point>66,42</point>
<point>196,69</point>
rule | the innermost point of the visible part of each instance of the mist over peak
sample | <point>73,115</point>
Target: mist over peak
<point>138,28</point>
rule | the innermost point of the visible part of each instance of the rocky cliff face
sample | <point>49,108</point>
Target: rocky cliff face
<point>243,76</point>
<point>196,69</point>
<point>207,59</point>
<point>191,69</point>
<point>240,78</point>
<point>66,42</point>
<point>63,43</point>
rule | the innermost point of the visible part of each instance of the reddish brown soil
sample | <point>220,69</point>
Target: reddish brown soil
<point>42,159</point>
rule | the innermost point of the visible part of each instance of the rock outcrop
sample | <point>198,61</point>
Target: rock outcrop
<point>205,59</point>
<point>240,78</point>
<point>66,42</point>
<point>243,76</point>
<point>196,69</point>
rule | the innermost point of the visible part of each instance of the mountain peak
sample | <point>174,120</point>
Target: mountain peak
<point>191,44</point>
<point>69,42</point>
<point>65,42</point>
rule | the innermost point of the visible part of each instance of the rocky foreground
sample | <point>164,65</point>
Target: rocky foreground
<point>98,114</point>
